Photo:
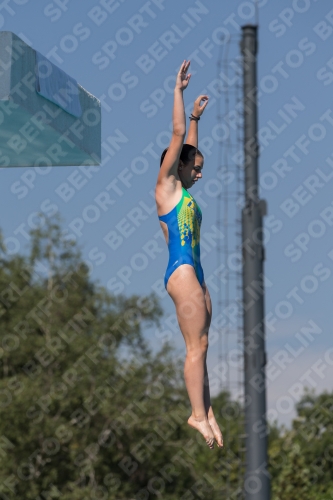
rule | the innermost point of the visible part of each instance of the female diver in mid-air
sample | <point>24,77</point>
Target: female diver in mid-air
<point>180,218</point>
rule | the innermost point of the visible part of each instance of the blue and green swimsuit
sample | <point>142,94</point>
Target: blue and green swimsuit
<point>184,223</point>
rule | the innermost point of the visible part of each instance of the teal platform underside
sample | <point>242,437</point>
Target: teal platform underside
<point>33,130</point>
<point>24,142</point>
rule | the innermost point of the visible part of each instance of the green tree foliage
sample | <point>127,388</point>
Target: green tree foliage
<point>301,459</point>
<point>87,411</point>
<point>292,479</point>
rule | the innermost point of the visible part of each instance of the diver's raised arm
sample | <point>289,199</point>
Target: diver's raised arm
<point>171,159</point>
<point>198,109</point>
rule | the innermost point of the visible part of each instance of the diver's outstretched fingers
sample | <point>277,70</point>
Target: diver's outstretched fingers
<point>183,78</point>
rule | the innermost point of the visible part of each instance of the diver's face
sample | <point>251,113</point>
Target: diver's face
<point>191,172</point>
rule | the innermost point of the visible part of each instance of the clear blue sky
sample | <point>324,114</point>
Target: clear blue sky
<point>126,53</point>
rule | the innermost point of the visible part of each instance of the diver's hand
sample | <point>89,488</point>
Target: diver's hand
<point>182,77</point>
<point>199,108</point>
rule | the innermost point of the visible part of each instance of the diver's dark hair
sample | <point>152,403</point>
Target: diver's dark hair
<point>187,154</point>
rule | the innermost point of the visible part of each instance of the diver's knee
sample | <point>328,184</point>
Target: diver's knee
<point>199,347</point>
<point>204,342</point>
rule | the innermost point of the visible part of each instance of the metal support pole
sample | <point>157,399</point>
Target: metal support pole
<point>257,482</point>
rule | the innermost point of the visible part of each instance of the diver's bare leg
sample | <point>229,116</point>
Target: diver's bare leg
<point>210,414</point>
<point>209,410</point>
<point>189,299</point>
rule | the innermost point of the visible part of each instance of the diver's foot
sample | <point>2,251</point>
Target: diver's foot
<point>202,425</point>
<point>216,431</point>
